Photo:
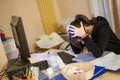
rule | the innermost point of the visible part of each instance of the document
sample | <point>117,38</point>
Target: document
<point>85,57</point>
<point>50,41</point>
<point>36,57</point>
<point>110,61</point>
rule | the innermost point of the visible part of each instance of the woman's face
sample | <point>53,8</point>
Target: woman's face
<point>88,29</point>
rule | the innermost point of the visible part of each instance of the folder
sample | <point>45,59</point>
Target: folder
<point>84,57</point>
<point>98,72</point>
<point>118,70</point>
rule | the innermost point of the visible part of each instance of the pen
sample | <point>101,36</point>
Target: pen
<point>29,74</point>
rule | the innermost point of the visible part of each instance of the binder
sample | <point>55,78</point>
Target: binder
<point>97,72</point>
<point>84,57</point>
<point>118,70</point>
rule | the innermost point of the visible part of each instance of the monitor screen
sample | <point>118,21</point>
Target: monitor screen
<point>20,37</point>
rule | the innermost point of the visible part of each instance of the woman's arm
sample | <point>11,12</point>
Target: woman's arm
<point>98,45</point>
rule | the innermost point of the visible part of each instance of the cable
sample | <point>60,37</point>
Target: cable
<point>4,71</point>
<point>67,46</point>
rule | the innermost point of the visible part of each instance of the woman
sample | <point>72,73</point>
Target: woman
<point>95,34</point>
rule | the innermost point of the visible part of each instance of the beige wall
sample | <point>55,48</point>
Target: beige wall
<point>118,7</point>
<point>111,14</point>
<point>118,26</point>
<point>115,15</point>
<point>69,8</point>
<point>29,12</point>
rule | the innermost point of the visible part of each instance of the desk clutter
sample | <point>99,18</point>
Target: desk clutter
<point>31,73</point>
<point>78,71</point>
<point>57,61</point>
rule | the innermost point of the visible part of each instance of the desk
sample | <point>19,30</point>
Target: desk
<point>109,75</point>
<point>15,68</point>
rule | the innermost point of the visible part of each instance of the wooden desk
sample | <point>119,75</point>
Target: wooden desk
<point>109,75</point>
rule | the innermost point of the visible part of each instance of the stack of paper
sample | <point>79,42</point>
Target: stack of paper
<point>50,41</point>
<point>110,61</point>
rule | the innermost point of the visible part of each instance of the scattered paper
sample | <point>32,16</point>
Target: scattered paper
<point>48,42</point>
<point>84,57</point>
<point>36,57</point>
<point>110,61</point>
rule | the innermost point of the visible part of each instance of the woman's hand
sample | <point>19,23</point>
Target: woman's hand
<point>79,32</point>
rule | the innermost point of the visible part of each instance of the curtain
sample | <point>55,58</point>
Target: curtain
<point>48,16</point>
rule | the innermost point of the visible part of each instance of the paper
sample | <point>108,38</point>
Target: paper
<point>44,36</point>
<point>110,61</point>
<point>9,45</point>
<point>85,57</point>
<point>48,42</point>
<point>71,53</point>
<point>35,73</point>
<point>36,57</point>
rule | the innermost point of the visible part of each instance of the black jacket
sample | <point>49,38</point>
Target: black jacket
<point>103,39</point>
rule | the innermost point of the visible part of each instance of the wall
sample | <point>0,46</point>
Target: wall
<point>111,14</point>
<point>118,7</point>
<point>67,9</point>
<point>29,12</point>
<point>115,15</point>
<point>118,16</point>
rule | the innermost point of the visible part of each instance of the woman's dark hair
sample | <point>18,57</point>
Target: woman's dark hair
<point>84,19</point>
<point>86,22</point>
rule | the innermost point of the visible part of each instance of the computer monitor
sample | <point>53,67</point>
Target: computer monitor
<point>20,38</point>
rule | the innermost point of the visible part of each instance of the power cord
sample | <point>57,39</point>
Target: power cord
<point>4,71</point>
